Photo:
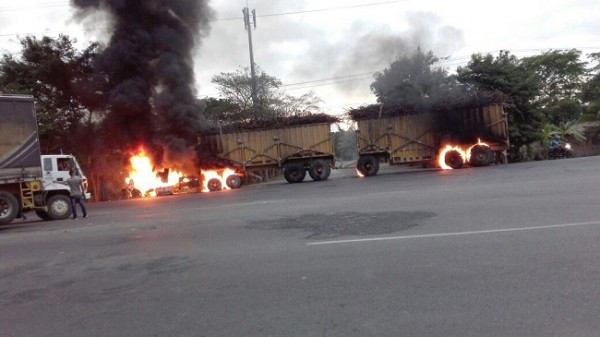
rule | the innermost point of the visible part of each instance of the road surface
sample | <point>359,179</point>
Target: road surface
<point>510,250</point>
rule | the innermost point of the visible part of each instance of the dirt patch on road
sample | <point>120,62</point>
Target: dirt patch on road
<point>334,225</point>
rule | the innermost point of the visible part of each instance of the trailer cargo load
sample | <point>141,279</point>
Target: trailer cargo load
<point>473,131</point>
<point>300,147</point>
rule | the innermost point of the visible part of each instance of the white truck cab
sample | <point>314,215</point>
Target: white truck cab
<point>55,168</point>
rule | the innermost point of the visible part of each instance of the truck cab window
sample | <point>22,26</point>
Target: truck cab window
<point>47,164</point>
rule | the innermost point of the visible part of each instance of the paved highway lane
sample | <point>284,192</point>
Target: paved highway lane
<point>508,250</point>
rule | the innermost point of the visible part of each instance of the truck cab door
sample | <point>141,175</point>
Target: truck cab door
<point>48,166</point>
<point>54,170</point>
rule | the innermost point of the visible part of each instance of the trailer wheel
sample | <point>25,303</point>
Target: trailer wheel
<point>59,207</point>
<point>233,181</point>
<point>294,173</point>
<point>368,165</point>
<point>9,208</point>
<point>454,159</point>
<point>42,214</point>
<point>481,155</point>
<point>214,185</point>
<point>319,170</point>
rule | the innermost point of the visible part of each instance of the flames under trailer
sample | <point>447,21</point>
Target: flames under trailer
<point>297,149</point>
<point>476,135</point>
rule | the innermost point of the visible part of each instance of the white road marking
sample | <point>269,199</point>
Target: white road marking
<point>435,235</point>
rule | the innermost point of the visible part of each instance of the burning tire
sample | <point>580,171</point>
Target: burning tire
<point>319,170</point>
<point>454,159</point>
<point>214,185</point>
<point>294,173</point>
<point>367,166</point>
<point>9,208</point>
<point>59,207</point>
<point>233,181</point>
<point>481,155</point>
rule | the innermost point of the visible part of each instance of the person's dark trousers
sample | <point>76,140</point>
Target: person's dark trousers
<point>78,200</point>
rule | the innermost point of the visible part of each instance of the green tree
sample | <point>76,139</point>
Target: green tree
<point>237,104</point>
<point>55,73</point>
<point>570,129</point>
<point>561,74</point>
<point>508,75</point>
<point>591,87</point>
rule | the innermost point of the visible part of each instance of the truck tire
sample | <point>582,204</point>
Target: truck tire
<point>9,208</point>
<point>367,166</point>
<point>214,185</point>
<point>481,155</point>
<point>294,173</point>
<point>454,159</point>
<point>233,181</point>
<point>59,207</point>
<point>42,214</point>
<point>319,170</point>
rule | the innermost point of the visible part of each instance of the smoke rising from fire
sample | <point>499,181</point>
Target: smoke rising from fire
<point>148,73</point>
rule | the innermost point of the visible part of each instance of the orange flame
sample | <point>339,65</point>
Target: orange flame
<point>444,151</point>
<point>359,174</point>
<point>465,155</point>
<point>479,142</point>
<point>220,175</point>
<point>145,178</point>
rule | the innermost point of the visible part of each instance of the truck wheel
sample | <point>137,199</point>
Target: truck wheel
<point>481,155</point>
<point>454,159</point>
<point>59,207</point>
<point>9,208</point>
<point>42,214</point>
<point>214,185</point>
<point>233,181</point>
<point>367,166</point>
<point>294,173</point>
<point>319,170</point>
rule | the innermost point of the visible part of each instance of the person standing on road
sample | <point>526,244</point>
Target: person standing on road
<point>76,186</point>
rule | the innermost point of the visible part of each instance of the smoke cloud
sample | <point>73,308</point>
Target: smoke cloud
<point>373,47</point>
<point>148,72</point>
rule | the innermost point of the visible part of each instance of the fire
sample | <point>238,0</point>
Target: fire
<point>464,154</point>
<point>220,175</point>
<point>445,151</point>
<point>145,178</point>
<point>359,174</point>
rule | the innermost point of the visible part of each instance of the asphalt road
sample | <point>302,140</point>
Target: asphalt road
<point>511,250</point>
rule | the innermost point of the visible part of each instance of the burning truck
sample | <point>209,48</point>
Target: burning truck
<point>144,179</point>
<point>470,131</point>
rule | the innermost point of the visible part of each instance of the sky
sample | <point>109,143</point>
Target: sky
<point>333,47</point>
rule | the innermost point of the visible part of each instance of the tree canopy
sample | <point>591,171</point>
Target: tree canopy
<point>237,102</point>
<point>56,74</point>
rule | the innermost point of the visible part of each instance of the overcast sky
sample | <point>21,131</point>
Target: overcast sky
<point>333,47</point>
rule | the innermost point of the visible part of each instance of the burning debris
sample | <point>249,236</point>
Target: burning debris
<point>147,72</point>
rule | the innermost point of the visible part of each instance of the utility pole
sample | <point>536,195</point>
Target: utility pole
<point>248,26</point>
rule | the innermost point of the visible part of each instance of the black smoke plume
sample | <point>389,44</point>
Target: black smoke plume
<point>146,70</point>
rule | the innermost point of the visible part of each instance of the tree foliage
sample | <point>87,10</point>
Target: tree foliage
<point>237,103</point>
<point>560,76</point>
<point>507,74</point>
<point>55,73</point>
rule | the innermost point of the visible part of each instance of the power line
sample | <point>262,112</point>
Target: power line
<point>37,6</point>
